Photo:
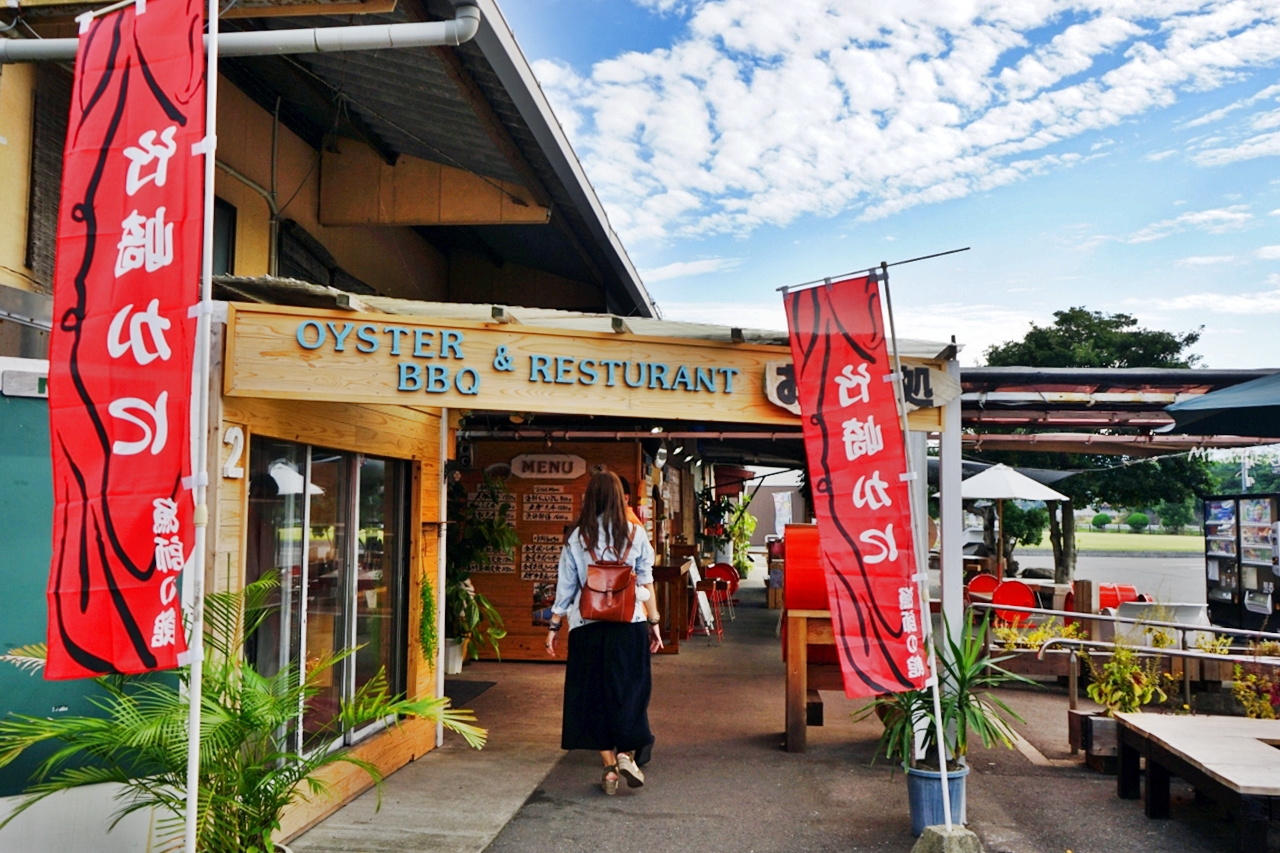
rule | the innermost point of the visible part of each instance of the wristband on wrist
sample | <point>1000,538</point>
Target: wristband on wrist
<point>554,626</point>
<point>657,621</point>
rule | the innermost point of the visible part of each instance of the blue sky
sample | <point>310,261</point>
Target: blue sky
<point>1121,155</point>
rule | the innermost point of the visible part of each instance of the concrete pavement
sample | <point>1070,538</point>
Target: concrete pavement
<point>720,780</point>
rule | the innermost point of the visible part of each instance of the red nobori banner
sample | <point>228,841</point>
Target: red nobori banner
<point>128,262</point>
<point>856,462</point>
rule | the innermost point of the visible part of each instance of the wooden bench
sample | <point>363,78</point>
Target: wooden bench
<point>1232,760</point>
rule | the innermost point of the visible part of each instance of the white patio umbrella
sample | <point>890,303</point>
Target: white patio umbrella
<point>1001,483</point>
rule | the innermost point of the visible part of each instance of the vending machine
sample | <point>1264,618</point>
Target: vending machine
<point>1240,557</point>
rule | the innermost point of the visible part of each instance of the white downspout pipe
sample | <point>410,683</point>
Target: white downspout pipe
<point>268,42</point>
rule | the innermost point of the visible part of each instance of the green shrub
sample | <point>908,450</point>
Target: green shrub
<point>1137,521</point>
<point>1100,521</point>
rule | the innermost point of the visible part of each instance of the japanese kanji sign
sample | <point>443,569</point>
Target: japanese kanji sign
<point>857,460</point>
<point>127,272</point>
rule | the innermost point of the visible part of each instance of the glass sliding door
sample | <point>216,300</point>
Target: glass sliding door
<point>379,594</point>
<point>334,526</point>
<point>274,539</point>
<point>326,571</point>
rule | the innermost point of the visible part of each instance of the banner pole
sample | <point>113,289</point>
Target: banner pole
<point>200,438</point>
<point>922,574</point>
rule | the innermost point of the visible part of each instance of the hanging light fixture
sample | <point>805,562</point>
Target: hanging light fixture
<point>660,458</point>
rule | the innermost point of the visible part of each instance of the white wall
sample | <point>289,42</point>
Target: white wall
<point>74,822</point>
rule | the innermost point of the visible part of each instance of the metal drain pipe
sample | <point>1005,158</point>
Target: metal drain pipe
<point>620,435</point>
<point>462,28</point>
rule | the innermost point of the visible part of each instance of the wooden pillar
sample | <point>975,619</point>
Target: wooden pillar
<point>797,681</point>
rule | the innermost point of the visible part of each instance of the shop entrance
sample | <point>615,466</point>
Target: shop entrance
<point>540,475</point>
<point>535,400</point>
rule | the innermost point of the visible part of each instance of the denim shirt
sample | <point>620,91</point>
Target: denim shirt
<point>572,573</point>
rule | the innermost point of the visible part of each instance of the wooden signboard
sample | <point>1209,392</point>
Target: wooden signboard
<point>281,352</point>
<point>314,354</point>
<point>522,586</point>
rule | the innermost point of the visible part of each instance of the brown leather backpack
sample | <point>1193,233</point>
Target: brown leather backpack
<point>609,594</point>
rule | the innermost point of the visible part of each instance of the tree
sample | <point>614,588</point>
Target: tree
<point>1137,521</point>
<point>1175,515</point>
<point>1100,521</point>
<point>1083,338</point>
<point>1022,527</point>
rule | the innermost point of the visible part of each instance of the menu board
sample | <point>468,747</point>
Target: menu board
<point>540,557</point>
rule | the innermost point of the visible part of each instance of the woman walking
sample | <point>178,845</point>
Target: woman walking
<point>607,681</point>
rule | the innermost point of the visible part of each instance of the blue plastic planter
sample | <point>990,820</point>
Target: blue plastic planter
<point>924,789</point>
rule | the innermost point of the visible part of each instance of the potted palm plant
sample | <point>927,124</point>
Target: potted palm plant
<point>250,770</point>
<point>479,533</point>
<point>968,709</point>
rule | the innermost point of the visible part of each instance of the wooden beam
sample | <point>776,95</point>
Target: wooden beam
<point>357,187</point>
<point>506,144</point>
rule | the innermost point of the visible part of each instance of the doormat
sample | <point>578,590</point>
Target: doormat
<point>463,691</point>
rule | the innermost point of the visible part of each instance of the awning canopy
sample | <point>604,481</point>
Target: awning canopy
<point>1252,409</point>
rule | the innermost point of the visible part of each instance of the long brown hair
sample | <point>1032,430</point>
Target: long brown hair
<point>604,503</point>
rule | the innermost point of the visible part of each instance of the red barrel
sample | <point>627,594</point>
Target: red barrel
<point>1115,594</point>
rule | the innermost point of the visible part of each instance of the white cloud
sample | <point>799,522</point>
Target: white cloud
<point>1259,302</point>
<point>764,111</point>
<point>746,315</point>
<point>1205,260</point>
<point>1219,114</point>
<point>683,269</point>
<point>1261,145</point>
<point>665,6</point>
<point>977,327</point>
<point>1216,221</point>
<point>1268,253</point>
<point>1157,156</point>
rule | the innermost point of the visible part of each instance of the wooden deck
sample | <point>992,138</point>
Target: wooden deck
<point>1232,760</point>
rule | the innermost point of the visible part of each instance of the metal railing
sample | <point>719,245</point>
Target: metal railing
<point>1072,646</point>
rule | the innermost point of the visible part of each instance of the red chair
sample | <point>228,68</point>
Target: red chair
<point>728,574</point>
<point>1013,594</point>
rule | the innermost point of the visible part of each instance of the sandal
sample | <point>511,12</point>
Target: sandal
<point>627,767</point>
<point>610,786</point>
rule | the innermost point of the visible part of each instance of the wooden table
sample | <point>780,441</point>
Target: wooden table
<point>805,627</point>
<point>1232,760</point>
<point>671,583</point>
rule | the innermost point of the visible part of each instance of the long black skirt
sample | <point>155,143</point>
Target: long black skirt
<point>606,687</point>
